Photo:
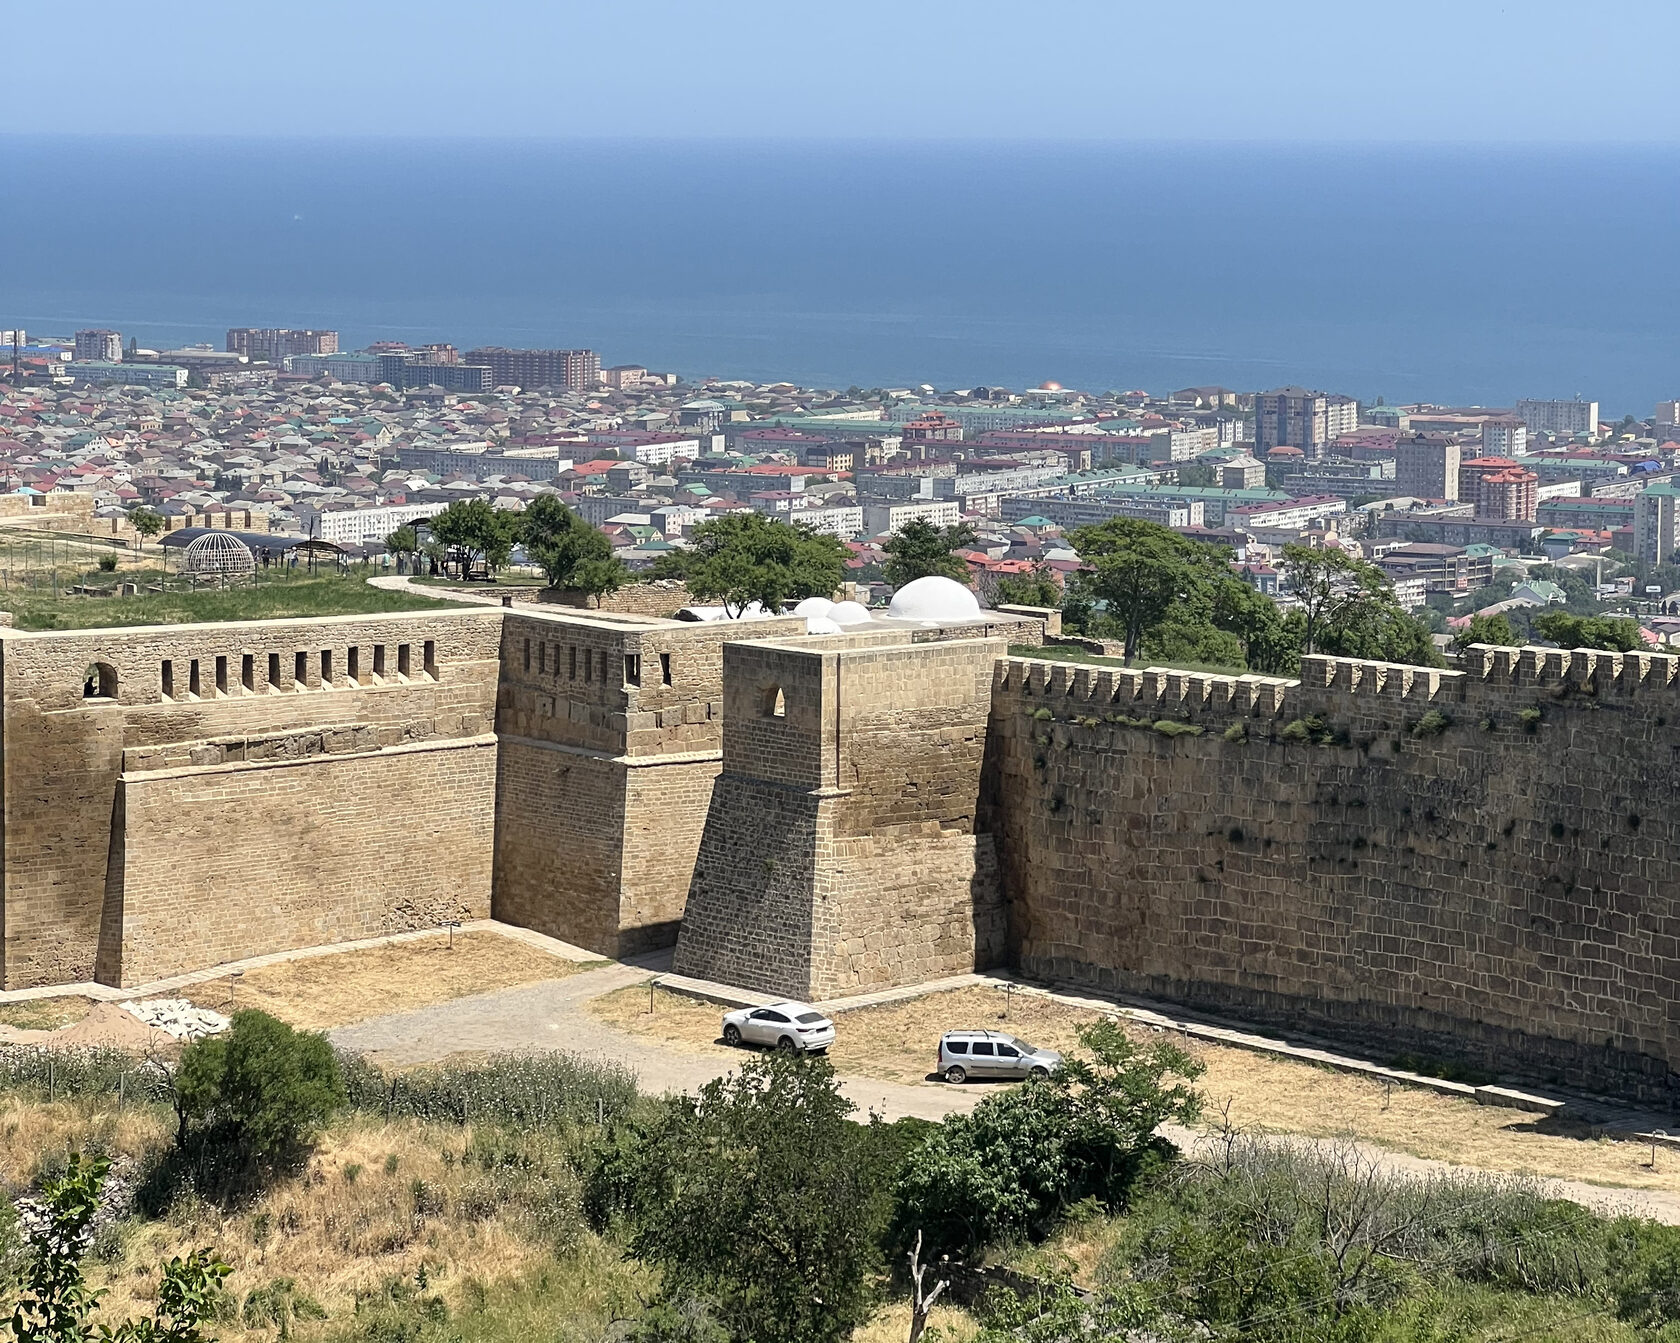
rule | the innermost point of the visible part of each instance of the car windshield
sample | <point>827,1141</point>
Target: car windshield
<point>809,1018</point>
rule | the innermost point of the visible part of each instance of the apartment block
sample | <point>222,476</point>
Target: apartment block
<point>1426,466</point>
<point>1566,418</point>
<point>99,346</point>
<point>1293,417</point>
<point>275,343</point>
<point>575,370</point>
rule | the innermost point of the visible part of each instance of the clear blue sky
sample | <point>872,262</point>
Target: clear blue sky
<point>1440,70</point>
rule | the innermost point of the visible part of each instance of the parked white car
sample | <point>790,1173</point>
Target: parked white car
<point>794,1028</point>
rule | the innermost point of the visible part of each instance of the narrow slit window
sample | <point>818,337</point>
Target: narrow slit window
<point>274,671</point>
<point>665,668</point>
<point>402,660</point>
<point>166,675</point>
<point>300,671</point>
<point>588,665</point>
<point>603,664</point>
<point>379,659</point>
<point>527,655</point>
<point>573,650</point>
<point>353,664</point>
<point>326,668</point>
<point>248,672</point>
<point>428,658</point>
<point>192,678</point>
<point>632,669</point>
<point>221,674</point>
<point>542,659</point>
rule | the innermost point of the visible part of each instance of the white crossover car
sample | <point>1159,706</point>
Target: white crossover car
<point>794,1028</point>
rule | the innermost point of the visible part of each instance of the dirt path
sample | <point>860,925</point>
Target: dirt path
<point>553,1015</point>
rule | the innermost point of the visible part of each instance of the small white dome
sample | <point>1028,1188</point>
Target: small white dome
<point>934,598</point>
<point>849,613</point>
<point>814,606</point>
<point>821,625</point>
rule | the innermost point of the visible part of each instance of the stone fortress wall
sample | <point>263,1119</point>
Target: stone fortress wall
<point>1474,864</point>
<point>1495,883</point>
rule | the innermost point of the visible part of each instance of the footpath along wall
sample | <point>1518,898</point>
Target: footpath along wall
<point>1478,865</point>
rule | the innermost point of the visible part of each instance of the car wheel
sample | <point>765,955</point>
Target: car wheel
<point>786,1045</point>
<point>1038,1072</point>
<point>732,1034</point>
<point>956,1076</point>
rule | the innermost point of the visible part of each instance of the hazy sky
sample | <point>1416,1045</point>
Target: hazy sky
<point>1459,70</point>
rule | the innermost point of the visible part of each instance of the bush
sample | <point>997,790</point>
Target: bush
<point>107,564</point>
<point>262,1085</point>
<point>1432,724</point>
<point>1171,727</point>
<point>1237,732</point>
<point>1530,718</point>
<point>1010,1170</point>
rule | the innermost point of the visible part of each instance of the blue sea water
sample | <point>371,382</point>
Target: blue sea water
<point>1453,275</point>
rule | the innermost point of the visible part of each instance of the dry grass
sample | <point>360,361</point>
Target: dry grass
<point>891,1324</point>
<point>45,1014</point>
<point>320,992</point>
<point>896,1042</point>
<point>377,1203</point>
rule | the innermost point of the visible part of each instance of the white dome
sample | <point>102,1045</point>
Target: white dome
<point>814,606</point>
<point>821,625</point>
<point>849,613</point>
<point>934,598</point>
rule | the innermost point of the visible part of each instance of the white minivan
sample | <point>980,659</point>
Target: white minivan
<point>987,1054</point>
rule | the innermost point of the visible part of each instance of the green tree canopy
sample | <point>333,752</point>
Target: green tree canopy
<point>741,558</point>
<point>1349,609</point>
<point>477,531</point>
<point>761,1196</point>
<point>559,542</point>
<point>1146,572</point>
<point>147,522</point>
<point>261,1084</point>
<point>1615,634</point>
<point>1494,630</point>
<point>1038,588</point>
<point>1014,1166</point>
<point>919,549</point>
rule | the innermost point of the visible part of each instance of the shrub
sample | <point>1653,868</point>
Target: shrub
<point>107,564</point>
<point>1530,718</point>
<point>526,1091</point>
<point>1042,714</point>
<point>1171,727</point>
<point>1296,730</point>
<point>263,1085</point>
<point>1432,724</point>
<point>1237,732</point>
<point>1012,1168</point>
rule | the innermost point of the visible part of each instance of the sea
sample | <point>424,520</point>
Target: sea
<point>1459,275</point>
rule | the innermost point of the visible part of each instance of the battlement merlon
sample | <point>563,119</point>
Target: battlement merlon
<point>1085,690</point>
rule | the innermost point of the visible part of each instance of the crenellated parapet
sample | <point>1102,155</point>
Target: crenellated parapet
<point>1565,671</point>
<point>1074,690</point>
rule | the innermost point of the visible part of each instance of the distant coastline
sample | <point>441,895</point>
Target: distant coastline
<point>1456,275</point>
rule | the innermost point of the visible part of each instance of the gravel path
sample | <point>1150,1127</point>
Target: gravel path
<point>552,1015</point>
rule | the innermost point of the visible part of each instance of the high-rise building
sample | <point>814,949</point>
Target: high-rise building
<point>1512,495</point>
<point>99,346</point>
<point>1426,466</point>
<point>408,370</point>
<point>1656,524</point>
<point>1504,436</point>
<point>275,343</point>
<point>1668,412</point>
<point>1567,418</point>
<point>575,370</point>
<point>1296,418</point>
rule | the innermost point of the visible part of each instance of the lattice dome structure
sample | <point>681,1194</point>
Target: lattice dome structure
<point>218,553</point>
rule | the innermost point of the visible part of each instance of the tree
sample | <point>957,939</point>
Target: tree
<point>1012,1168</point>
<point>1349,609</point>
<point>1618,635</point>
<point>570,552</point>
<point>146,522</point>
<point>918,549</point>
<point>1039,588</point>
<point>743,558</point>
<point>261,1085</point>
<point>1144,572</point>
<point>1494,630</point>
<point>55,1304</point>
<point>762,1196</point>
<point>403,543</point>
<point>1268,644</point>
<point>477,531</point>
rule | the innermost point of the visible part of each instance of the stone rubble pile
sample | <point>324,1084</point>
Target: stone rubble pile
<point>178,1017</point>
